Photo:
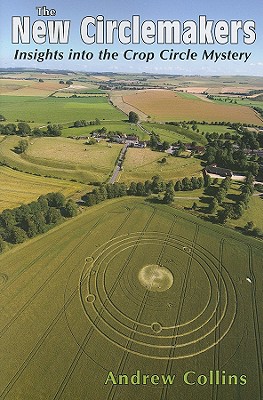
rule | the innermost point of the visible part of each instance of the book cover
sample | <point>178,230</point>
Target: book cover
<point>131,175</point>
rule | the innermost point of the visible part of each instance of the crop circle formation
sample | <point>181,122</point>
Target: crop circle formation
<point>155,278</point>
<point>144,289</point>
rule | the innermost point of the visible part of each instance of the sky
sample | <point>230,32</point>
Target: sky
<point>76,10</point>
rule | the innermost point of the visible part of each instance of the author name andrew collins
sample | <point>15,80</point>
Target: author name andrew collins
<point>212,377</point>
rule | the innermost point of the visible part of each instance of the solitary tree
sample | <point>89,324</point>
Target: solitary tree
<point>194,206</point>
<point>133,117</point>
<point>168,196</point>
<point>22,146</point>
<point>178,186</point>
<point>249,226</point>
<point>213,206</point>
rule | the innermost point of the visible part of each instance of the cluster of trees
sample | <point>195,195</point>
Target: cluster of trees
<point>231,210</point>
<point>225,155</point>
<point>190,183</point>
<point>83,122</point>
<point>156,144</point>
<point>29,220</point>
<point>244,138</point>
<point>104,192</point>
<point>23,129</point>
<point>221,136</point>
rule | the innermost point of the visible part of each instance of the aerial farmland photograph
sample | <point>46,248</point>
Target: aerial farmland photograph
<point>131,198</point>
<point>131,236</point>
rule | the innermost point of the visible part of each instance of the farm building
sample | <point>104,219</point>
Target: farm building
<point>214,169</point>
<point>131,138</point>
<point>140,145</point>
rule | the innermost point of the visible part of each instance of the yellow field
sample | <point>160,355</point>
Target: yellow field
<point>62,158</point>
<point>19,188</point>
<point>20,87</point>
<point>165,105</point>
<point>69,151</point>
<point>143,164</point>
<point>117,99</point>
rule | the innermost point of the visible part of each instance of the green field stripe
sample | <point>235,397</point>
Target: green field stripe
<point>217,316</point>
<point>34,350</point>
<point>28,266</point>
<point>165,241</point>
<point>41,288</point>
<point>141,308</point>
<point>126,355</point>
<point>256,324</point>
<point>53,323</point>
<point>80,351</point>
<point>178,316</point>
<point>8,325</point>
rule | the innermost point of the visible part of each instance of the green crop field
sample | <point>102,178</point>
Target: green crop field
<point>143,164</point>
<point>62,158</point>
<point>19,188</point>
<point>173,133</point>
<point>215,128</point>
<point>57,110</point>
<point>134,287</point>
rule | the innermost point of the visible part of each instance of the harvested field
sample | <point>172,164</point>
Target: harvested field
<point>118,100</point>
<point>165,105</point>
<point>15,87</point>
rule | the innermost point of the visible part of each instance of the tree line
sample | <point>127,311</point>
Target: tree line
<point>83,122</point>
<point>23,129</point>
<point>39,216</point>
<point>154,186</point>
